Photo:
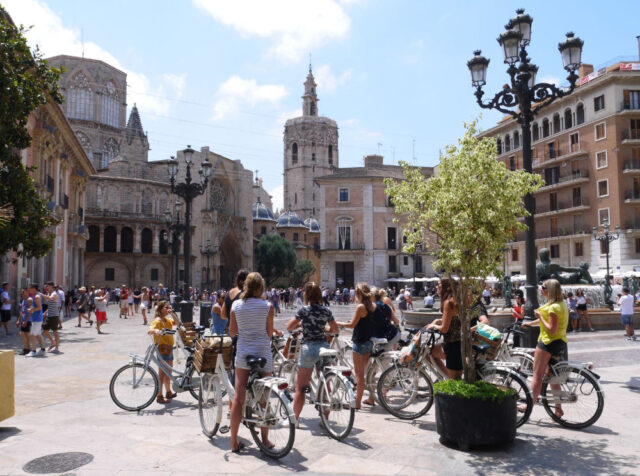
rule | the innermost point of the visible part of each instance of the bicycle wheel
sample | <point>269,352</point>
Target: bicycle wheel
<point>289,371</point>
<point>209,404</point>
<point>511,379</point>
<point>334,405</point>
<point>378,365</point>
<point>525,362</point>
<point>192,382</point>
<point>581,397</point>
<point>133,387</point>
<point>405,392</point>
<point>267,415</point>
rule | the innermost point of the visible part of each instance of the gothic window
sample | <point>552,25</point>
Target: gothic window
<point>126,240</point>
<point>330,154</point>
<point>146,241</point>
<point>568,122</point>
<point>545,127</point>
<point>85,142</point>
<point>93,243</point>
<point>109,152</point>
<point>110,105</point>
<point>556,123</point>
<point>147,206</point>
<point>580,114</point>
<point>162,203</point>
<point>499,144</point>
<point>507,143</point>
<point>80,98</point>
<point>126,202</point>
<point>294,153</point>
<point>218,196</point>
<point>110,239</point>
<point>516,139</point>
<point>295,198</point>
<point>535,132</point>
<point>312,109</point>
<point>313,156</point>
<point>164,246</point>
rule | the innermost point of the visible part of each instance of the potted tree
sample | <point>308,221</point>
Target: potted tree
<point>465,215</point>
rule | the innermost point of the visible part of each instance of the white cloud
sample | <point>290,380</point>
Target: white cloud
<point>295,27</point>
<point>54,38</point>
<point>327,81</point>
<point>237,92</point>
<point>277,198</point>
<point>550,80</point>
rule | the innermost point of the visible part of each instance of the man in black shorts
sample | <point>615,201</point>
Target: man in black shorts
<point>52,319</point>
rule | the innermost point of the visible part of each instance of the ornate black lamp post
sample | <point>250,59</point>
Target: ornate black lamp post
<point>176,227</point>
<point>188,190</point>
<point>522,100</point>
<point>208,251</point>
<point>607,237</point>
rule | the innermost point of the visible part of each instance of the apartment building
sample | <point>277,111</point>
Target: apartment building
<point>586,146</point>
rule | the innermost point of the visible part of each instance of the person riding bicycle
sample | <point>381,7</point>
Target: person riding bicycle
<point>313,317</point>
<point>387,323</point>
<point>450,327</point>
<point>252,322</point>
<point>164,319</point>
<point>552,318</point>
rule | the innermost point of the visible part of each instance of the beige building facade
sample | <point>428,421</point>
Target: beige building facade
<point>586,147</point>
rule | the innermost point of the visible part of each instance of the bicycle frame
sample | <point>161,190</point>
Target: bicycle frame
<point>151,356</point>
<point>317,378</point>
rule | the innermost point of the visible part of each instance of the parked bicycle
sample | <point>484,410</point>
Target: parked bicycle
<point>267,404</point>
<point>135,386</point>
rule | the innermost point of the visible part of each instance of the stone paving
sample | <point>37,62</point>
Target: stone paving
<point>63,405</point>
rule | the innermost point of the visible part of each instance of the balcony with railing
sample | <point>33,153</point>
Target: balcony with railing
<point>567,206</point>
<point>95,212</point>
<point>631,136</point>
<point>631,166</point>
<point>564,232</point>
<point>632,196</point>
<point>556,155</point>
<point>573,178</point>
<point>345,247</point>
<point>632,224</point>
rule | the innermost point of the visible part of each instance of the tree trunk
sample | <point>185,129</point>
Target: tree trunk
<point>461,291</point>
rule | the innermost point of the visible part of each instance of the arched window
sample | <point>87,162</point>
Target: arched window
<point>580,114</point>
<point>164,247</point>
<point>545,127</point>
<point>556,123</point>
<point>535,132</point>
<point>507,143</point>
<point>126,201</point>
<point>110,105</point>
<point>294,153</point>
<point>162,203</point>
<point>109,152</point>
<point>499,144</point>
<point>568,119</point>
<point>147,205</point>
<point>93,243</point>
<point>80,98</point>
<point>146,241</point>
<point>330,154</point>
<point>85,142</point>
<point>295,198</point>
<point>110,239</point>
<point>516,139</point>
<point>126,240</point>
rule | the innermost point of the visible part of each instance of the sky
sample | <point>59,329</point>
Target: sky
<point>228,73</point>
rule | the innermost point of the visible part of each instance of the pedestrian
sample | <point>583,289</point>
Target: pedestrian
<point>124,305</point>
<point>130,302</point>
<point>35,317</point>
<point>92,300</point>
<point>275,300</point>
<point>102,298</point>
<point>572,305</point>
<point>582,310</point>
<point>5,309</point>
<point>626,302</point>
<point>486,294</point>
<point>517,312</point>
<point>402,305</point>
<point>83,305</point>
<point>450,327</point>
<point>52,318</point>
<point>146,303</point>
<point>164,318</point>
<point>428,300</point>
<point>22,323</point>
<point>218,323</point>
<point>61,300</point>
<point>137,297</point>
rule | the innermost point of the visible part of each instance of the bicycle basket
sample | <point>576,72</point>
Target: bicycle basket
<point>410,353</point>
<point>187,333</point>
<point>494,345</point>
<point>207,351</point>
<point>292,347</point>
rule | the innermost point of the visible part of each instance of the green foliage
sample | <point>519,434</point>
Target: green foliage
<point>302,271</point>
<point>464,216</point>
<point>275,257</point>
<point>26,82</point>
<point>477,390</point>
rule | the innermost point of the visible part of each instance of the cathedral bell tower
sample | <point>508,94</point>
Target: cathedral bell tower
<point>310,151</point>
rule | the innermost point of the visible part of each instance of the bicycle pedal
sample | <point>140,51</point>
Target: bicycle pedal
<point>224,429</point>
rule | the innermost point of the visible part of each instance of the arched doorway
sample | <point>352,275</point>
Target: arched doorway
<point>230,262</point>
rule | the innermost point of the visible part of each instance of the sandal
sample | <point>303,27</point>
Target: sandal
<point>171,395</point>
<point>161,399</point>
<point>240,447</point>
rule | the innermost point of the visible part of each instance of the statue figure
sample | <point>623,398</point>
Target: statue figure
<point>545,269</point>
<point>507,291</point>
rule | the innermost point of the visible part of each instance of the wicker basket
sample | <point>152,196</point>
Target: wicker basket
<point>206,354</point>
<point>292,348</point>
<point>494,345</point>
<point>187,333</point>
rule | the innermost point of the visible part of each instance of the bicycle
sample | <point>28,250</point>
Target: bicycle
<point>134,386</point>
<point>406,390</point>
<point>267,405</point>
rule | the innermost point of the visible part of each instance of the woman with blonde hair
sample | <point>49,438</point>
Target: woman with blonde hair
<point>362,324</point>
<point>552,318</point>
<point>252,321</point>
<point>164,318</point>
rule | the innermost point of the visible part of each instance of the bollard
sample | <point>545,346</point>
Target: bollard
<point>186,311</point>
<point>205,313</point>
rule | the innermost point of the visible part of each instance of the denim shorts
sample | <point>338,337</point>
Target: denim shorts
<point>166,357</point>
<point>627,319</point>
<point>309,353</point>
<point>363,348</point>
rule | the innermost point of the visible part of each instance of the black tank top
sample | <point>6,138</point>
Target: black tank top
<point>364,329</point>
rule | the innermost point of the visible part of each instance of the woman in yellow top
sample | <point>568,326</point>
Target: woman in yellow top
<point>552,318</point>
<point>164,318</point>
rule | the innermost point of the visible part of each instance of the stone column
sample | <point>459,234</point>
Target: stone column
<point>137,239</point>
<point>101,240</point>
<point>118,238</point>
<point>156,240</point>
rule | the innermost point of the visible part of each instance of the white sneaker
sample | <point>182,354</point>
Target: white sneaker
<point>31,354</point>
<point>40,352</point>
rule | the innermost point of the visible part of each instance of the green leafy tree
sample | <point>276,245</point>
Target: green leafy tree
<point>302,271</point>
<point>26,82</point>
<point>470,210</point>
<point>275,257</point>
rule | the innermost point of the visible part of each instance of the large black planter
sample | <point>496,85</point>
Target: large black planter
<point>473,422</point>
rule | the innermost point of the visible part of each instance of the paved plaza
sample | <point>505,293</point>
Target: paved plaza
<point>63,405</point>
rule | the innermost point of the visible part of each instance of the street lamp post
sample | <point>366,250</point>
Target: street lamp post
<point>188,190</point>
<point>176,227</point>
<point>523,100</point>
<point>607,237</point>
<point>208,251</point>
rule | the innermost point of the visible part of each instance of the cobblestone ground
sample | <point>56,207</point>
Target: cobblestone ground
<point>63,405</point>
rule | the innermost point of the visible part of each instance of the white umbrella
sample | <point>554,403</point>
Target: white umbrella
<point>519,278</point>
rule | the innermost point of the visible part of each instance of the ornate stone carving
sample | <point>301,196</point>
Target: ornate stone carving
<point>217,196</point>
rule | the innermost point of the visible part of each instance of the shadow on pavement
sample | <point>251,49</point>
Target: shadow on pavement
<point>293,461</point>
<point>633,384</point>
<point>8,432</point>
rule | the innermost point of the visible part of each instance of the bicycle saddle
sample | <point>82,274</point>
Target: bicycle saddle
<point>379,341</point>
<point>411,330</point>
<point>327,352</point>
<point>482,349</point>
<point>256,362</point>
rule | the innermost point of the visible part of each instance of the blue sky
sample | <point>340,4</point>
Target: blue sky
<point>227,74</point>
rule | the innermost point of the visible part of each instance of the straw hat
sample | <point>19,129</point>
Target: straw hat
<point>82,288</point>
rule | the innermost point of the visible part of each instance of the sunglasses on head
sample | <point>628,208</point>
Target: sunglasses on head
<point>543,287</point>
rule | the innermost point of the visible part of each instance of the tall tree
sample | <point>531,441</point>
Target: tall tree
<point>472,209</point>
<point>302,271</point>
<point>275,257</point>
<point>26,82</point>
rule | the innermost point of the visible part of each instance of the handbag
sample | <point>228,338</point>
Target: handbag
<point>165,349</point>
